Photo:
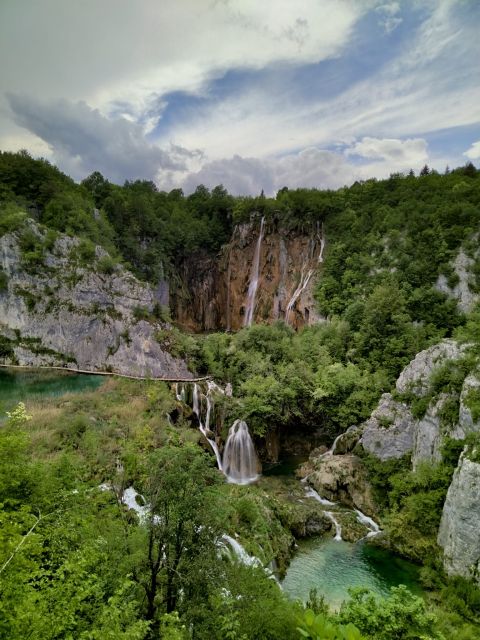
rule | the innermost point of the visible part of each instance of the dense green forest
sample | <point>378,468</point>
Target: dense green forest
<point>75,563</point>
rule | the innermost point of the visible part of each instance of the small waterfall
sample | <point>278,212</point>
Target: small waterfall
<point>196,402</point>
<point>205,428</point>
<point>240,553</point>
<point>311,493</point>
<point>252,287</point>
<point>338,528</point>
<point>331,451</point>
<point>240,463</point>
<point>302,285</point>
<point>368,522</point>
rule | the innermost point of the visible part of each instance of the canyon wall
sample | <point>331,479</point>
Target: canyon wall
<point>213,293</point>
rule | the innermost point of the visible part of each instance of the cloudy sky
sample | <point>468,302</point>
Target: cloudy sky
<point>252,94</point>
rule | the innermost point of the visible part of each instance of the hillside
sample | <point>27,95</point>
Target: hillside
<point>341,326</point>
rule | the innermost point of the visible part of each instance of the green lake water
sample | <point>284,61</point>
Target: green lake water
<point>333,567</point>
<point>22,385</point>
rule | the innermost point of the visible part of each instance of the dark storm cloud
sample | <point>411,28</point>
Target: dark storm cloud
<point>85,140</point>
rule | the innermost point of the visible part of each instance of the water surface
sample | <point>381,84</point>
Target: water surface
<point>21,385</point>
<point>333,567</point>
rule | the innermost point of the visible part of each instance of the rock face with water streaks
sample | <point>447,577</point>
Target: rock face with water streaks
<point>459,534</point>
<point>64,313</point>
<point>213,293</point>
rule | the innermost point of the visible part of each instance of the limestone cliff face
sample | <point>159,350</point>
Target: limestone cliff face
<point>63,313</point>
<point>463,291</point>
<point>459,533</point>
<point>392,431</point>
<point>213,294</point>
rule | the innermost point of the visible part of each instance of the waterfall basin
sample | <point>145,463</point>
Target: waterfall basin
<point>332,567</point>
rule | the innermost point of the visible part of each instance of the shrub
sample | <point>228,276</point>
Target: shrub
<point>107,265</point>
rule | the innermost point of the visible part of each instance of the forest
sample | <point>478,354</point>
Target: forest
<point>76,563</point>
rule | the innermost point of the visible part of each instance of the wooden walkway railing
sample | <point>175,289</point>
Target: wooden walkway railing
<point>104,373</point>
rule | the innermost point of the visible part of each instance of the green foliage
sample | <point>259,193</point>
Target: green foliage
<point>107,265</point>
<point>319,627</point>
<point>401,616</point>
<point>12,217</point>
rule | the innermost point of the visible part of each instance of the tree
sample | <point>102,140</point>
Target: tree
<point>182,534</point>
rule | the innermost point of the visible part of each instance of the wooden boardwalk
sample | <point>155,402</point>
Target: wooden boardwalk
<point>104,373</point>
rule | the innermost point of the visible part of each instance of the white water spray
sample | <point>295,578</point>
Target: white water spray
<point>368,522</point>
<point>240,553</point>
<point>338,528</point>
<point>311,493</point>
<point>252,287</point>
<point>240,462</point>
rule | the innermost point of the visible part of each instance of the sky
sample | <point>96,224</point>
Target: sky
<point>246,93</point>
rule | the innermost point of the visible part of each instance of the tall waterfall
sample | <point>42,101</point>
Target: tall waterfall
<point>240,463</point>
<point>252,287</point>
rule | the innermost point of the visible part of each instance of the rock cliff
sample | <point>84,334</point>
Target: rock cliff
<point>459,528</point>
<point>212,294</point>
<point>63,311</point>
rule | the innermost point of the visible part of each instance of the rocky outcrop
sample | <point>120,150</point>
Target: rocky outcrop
<point>212,293</point>
<point>459,533</point>
<point>415,378</point>
<point>392,431</point>
<point>428,436</point>
<point>461,291</point>
<point>342,478</point>
<point>466,421</point>
<point>389,432</point>
<point>89,317</point>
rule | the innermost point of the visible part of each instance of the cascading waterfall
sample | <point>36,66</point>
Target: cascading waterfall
<point>205,428</point>
<point>252,287</point>
<point>374,529</point>
<point>240,462</point>
<point>338,528</point>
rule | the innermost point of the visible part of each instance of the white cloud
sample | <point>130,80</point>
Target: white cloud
<point>412,151</point>
<point>125,50</point>
<point>83,140</point>
<point>388,16</point>
<point>474,152</point>
<point>311,167</point>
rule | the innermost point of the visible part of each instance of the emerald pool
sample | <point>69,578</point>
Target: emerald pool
<point>333,567</point>
<point>22,385</point>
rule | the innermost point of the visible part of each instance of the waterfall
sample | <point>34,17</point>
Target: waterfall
<point>252,287</point>
<point>240,463</point>
<point>240,553</point>
<point>205,428</point>
<point>368,522</point>
<point>302,285</point>
<point>322,247</point>
<point>338,528</point>
<point>196,403</point>
<point>311,493</point>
